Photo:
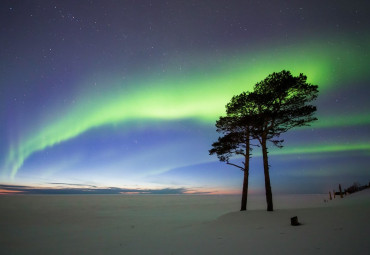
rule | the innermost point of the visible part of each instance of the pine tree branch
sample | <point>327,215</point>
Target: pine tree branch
<point>242,168</point>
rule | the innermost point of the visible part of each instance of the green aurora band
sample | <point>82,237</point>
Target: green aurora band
<point>199,95</point>
<point>323,149</point>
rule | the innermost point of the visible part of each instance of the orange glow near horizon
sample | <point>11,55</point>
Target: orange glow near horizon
<point>10,192</point>
<point>214,192</point>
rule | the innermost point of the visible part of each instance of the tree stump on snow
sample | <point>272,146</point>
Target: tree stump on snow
<point>294,221</point>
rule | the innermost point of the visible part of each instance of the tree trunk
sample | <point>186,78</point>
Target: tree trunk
<point>270,206</point>
<point>246,175</point>
<point>245,190</point>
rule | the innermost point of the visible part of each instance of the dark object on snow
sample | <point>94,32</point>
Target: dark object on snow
<point>294,221</point>
<point>340,191</point>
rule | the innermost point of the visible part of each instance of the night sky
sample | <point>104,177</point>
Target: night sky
<point>125,94</point>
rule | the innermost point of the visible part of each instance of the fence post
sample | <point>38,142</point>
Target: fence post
<point>340,191</point>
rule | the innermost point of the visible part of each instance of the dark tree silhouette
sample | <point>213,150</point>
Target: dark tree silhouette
<point>235,142</point>
<point>280,102</point>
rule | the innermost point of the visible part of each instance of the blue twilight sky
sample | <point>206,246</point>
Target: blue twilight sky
<point>122,96</point>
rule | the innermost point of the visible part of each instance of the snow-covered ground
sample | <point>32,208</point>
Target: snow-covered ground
<point>183,224</point>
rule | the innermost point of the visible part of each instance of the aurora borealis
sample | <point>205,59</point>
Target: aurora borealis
<point>121,94</point>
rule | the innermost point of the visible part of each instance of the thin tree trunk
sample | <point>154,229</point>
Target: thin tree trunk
<point>246,174</point>
<point>245,191</point>
<point>270,206</point>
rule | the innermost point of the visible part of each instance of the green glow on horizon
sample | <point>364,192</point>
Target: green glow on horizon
<point>200,95</point>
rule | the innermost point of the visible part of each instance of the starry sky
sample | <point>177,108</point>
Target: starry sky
<point>123,95</point>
